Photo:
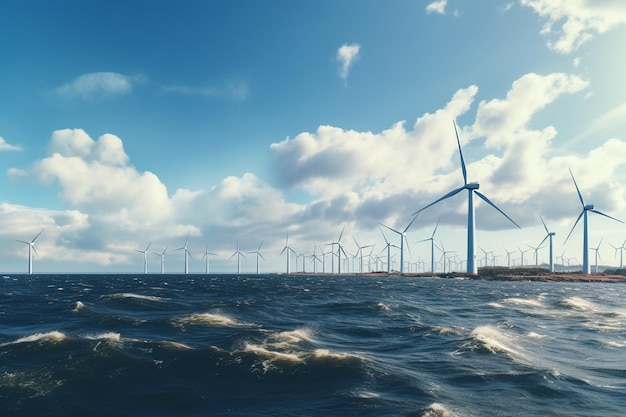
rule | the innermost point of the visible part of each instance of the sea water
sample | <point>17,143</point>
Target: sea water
<point>309,345</point>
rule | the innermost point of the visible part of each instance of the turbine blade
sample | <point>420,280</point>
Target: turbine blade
<point>605,215</point>
<point>341,234</point>
<point>450,194</point>
<point>577,220</point>
<point>435,231</point>
<point>544,239</point>
<point>384,237</point>
<point>409,225</point>
<point>35,250</point>
<point>393,230</point>
<point>33,241</point>
<point>460,153</point>
<point>580,196</point>
<point>544,224</point>
<point>496,207</point>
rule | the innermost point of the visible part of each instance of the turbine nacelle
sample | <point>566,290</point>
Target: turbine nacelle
<point>588,207</point>
<point>472,186</point>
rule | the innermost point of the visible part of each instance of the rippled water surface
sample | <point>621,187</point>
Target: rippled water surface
<point>254,345</point>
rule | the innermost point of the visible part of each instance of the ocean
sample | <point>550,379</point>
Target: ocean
<point>309,345</point>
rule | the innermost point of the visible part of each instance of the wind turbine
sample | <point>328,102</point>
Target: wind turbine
<point>239,255</point>
<point>536,249</point>
<point>432,247</point>
<point>522,252</point>
<point>339,250</point>
<point>549,234</point>
<point>472,188</point>
<point>360,251</point>
<point>621,253</point>
<point>162,255</point>
<point>586,208</point>
<point>402,239</point>
<point>288,249</point>
<point>145,257</point>
<point>597,250</point>
<point>205,256</point>
<point>388,247</point>
<point>31,248</point>
<point>187,253</point>
<point>258,255</point>
<point>508,257</point>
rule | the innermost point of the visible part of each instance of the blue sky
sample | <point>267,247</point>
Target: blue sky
<point>125,123</point>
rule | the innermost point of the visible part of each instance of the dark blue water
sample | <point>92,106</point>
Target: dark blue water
<point>175,345</point>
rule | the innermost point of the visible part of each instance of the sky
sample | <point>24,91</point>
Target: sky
<point>234,124</point>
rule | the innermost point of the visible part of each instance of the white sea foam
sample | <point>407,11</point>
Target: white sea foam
<point>290,338</point>
<point>495,340</point>
<point>437,410</point>
<point>209,319</point>
<point>457,330</point>
<point>578,303</point>
<point>79,306</point>
<point>136,296</point>
<point>272,354</point>
<point>53,336</point>
<point>524,302</point>
<point>108,336</point>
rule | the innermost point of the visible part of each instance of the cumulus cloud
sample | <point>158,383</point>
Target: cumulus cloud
<point>7,147</point>
<point>97,85</point>
<point>347,55</point>
<point>575,22</point>
<point>438,6</point>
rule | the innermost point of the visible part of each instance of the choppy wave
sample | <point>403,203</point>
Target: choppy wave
<point>209,319</point>
<point>129,295</point>
<point>53,336</point>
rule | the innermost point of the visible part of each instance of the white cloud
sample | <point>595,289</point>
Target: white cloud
<point>575,22</point>
<point>97,85</point>
<point>7,147</point>
<point>347,55</point>
<point>232,90</point>
<point>438,6</point>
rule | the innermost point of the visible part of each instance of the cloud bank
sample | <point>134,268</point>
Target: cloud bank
<point>97,85</point>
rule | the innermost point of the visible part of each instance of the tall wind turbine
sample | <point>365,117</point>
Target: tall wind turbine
<point>549,234</point>
<point>402,239</point>
<point>205,256</point>
<point>162,255</point>
<point>145,257</point>
<point>239,255</point>
<point>258,255</point>
<point>187,253</point>
<point>31,248</point>
<point>472,188</point>
<point>339,250</point>
<point>586,208</point>
<point>432,248</point>
<point>360,251</point>
<point>388,247</point>
<point>287,249</point>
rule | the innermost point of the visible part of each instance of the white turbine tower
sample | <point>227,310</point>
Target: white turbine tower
<point>187,254</point>
<point>586,269</point>
<point>31,248</point>
<point>402,239</point>
<point>239,255</point>
<point>162,255</point>
<point>549,234</point>
<point>205,256</point>
<point>287,249</point>
<point>258,255</point>
<point>145,257</point>
<point>432,247</point>
<point>472,189</point>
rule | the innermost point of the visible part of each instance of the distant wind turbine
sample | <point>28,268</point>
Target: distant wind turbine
<point>258,255</point>
<point>536,249</point>
<point>360,251</point>
<point>388,247</point>
<point>239,255</point>
<point>287,249</point>
<point>597,251</point>
<point>549,234</point>
<point>339,250</point>
<point>508,257</point>
<point>31,248</point>
<point>187,253</point>
<point>205,256</point>
<point>432,247</point>
<point>586,269</point>
<point>472,189</point>
<point>621,253</point>
<point>402,239</point>
<point>162,255</point>
<point>145,257</point>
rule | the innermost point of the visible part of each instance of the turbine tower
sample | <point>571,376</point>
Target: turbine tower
<point>31,248</point>
<point>239,255</point>
<point>162,255</point>
<point>258,255</point>
<point>432,248</point>
<point>360,251</point>
<point>472,188</point>
<point>586,269</point>
<point>339,250</point>
<point>388,247</point>
<point>597,251</point>
<point>205,256</point>
<point>187,253</point>
<point>145,257</point>
<point>288,249</point>
<point>402,239</point>
<point>549,234</point>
